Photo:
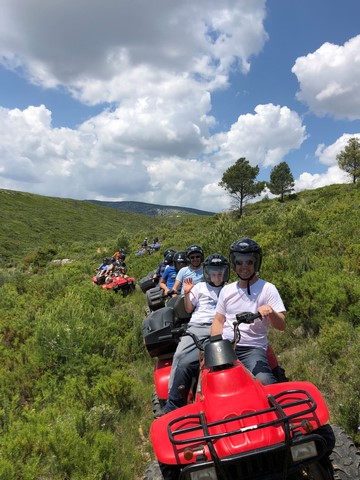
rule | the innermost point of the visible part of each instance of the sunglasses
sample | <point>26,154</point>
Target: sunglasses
<point>244,262</point>
<point>194,256</point>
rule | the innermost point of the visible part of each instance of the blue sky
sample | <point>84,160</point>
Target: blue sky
<point>153,101</point>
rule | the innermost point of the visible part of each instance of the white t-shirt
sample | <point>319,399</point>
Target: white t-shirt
<point>233,300</point>
<point>204,297</point>
<point>187,272</point>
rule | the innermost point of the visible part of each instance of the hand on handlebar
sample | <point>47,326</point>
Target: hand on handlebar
<point>247,317</point>
<point>171,293</point>
<point>265,310</point>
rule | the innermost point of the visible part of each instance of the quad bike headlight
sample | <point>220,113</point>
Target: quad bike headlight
<point>303,451</point>
<point>208,473</point>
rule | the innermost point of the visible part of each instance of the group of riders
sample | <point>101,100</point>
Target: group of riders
<point>114,266</point>
<point>148,248</point>
<point>213,304</point>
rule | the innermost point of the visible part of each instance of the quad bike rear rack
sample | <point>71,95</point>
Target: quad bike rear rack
<point>308,402</point>
<point>274,461</point>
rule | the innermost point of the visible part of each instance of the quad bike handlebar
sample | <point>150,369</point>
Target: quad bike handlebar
<point>243,317</point>
<point>246,317</point>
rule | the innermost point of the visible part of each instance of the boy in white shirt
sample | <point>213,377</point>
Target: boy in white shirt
<point>200,299</point>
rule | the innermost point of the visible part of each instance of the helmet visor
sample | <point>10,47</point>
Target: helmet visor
<point>245,260</point>
<point>216,275</point>
<point>242,259</point>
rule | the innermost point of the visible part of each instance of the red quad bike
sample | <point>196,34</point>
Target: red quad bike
<point>237,428</point>
<point>120,283</point>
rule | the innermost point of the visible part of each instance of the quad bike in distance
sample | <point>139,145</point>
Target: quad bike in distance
<point>117,283</point>
<point>237,428</point>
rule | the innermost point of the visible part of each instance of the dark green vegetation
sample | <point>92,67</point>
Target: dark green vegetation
<point>149,208</point>
<point>75,381</point>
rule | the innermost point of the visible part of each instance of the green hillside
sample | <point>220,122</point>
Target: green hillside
<point>76,380</point>
<point>29,222</point>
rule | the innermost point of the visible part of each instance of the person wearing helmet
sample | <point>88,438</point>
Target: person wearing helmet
<point>120,266</point>
<point>101,270</point>
<point>180,260</point>
<point>109,273</point>
<point>162,265</point>
<point>200,300</point>
<point>119,252</point>
<point>249,294</point>
<point>194,269</point>
<point>168,277</point>
<point>104,264</point>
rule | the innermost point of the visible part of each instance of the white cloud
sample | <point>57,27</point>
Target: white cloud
<point>156,64</point>
<point>105,50</point>
<point>263,138</point>
<point>104,157</point>
<point>330,79</point>
<point>327,155</point>
<point>333,175</point>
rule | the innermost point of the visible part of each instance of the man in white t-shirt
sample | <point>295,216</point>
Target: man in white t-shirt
<point>249,294</point>
<point>201,300</point>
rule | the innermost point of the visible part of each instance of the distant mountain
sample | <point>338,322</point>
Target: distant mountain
<point>149,209</point>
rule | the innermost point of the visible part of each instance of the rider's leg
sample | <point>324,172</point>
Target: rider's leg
<point>185,367</point>
<point>255,360</point>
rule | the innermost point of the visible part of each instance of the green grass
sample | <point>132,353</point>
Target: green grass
<point>31,222</point>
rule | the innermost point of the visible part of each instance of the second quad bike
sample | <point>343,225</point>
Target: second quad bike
<point>237,428</point>
<point>122,283</point>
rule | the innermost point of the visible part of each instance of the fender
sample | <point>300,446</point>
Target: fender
<point>161,376</point>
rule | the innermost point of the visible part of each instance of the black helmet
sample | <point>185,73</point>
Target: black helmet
<point>246,246</point>
<point>195,249</point>
<point>180,257</point>
<point>169,250</point>
<point>216,263</point>
<point>169,258</point>
<point>105,260</point>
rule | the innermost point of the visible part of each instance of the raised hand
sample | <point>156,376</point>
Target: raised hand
<point>188,285</point>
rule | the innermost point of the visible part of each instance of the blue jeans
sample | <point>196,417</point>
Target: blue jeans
<point>255,360</point>
<point>185,367</point>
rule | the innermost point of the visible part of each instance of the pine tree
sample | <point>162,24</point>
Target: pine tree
<point>349,158</point>
<point>281,180</point>
<point>239,181</point>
